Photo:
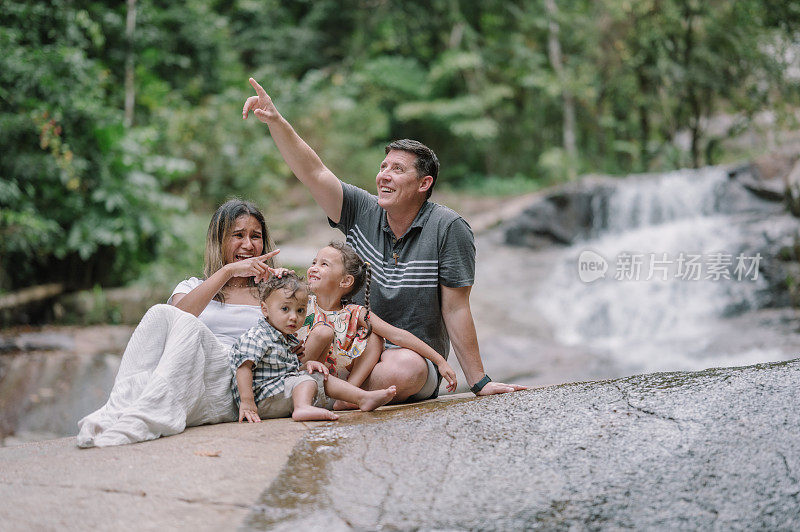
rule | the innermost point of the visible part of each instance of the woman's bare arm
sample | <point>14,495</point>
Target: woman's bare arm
<point>198,299</point>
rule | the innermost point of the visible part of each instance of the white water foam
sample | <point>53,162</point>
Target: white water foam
<point>652,324</point>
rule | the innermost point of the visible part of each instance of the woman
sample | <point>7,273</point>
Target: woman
<point>174,372</point>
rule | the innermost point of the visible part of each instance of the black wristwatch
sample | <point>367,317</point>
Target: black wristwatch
<point>478,386</point>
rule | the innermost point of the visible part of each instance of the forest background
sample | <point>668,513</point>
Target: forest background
<point>121,129</point>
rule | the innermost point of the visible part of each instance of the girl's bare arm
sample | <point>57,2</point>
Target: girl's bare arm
<point>409,340</point>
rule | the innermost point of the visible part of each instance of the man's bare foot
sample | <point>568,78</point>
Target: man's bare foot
<point>344,405</point>
<point>313,413</point>
<point>376,398</point>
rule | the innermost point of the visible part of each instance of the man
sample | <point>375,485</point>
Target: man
<point>422,254</point>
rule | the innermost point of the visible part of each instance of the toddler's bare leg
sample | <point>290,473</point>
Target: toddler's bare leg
<point>302,397</point>
<point>317,343</point>
<point>365,400</point>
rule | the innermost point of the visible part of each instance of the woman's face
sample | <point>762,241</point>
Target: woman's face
<point>245,241</point>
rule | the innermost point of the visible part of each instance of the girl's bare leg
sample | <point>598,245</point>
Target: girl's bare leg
<point>302,397</point>
<point>317,343</point>
<point>365,400</point>
<point>362,367</point>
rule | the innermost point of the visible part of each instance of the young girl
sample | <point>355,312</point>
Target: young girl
<point>340,332</point>
<point>268,381</point>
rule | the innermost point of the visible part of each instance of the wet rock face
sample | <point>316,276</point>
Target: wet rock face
<point>582,210</point>
<point>561,217</point>
<point>52,377</point>
<point>714,449</point>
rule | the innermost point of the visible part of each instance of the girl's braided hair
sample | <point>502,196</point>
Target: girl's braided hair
<point>288,281</point>
<point>361,272</point>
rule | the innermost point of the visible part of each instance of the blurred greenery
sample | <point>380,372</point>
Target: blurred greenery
<point>90,195</point>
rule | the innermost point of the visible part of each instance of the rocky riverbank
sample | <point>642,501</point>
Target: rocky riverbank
<point>716,449</point>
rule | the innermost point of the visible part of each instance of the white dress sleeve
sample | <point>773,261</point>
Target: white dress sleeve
<point>184,287</point>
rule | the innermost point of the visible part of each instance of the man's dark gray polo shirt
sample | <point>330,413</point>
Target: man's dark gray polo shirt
<point>438,248</point>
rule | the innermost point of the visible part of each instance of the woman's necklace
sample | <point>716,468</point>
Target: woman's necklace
<point>238,284</point>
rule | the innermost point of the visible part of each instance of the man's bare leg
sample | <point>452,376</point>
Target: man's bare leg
<point>400,367</point>
<point>365,400</point>
<point>302,397</point>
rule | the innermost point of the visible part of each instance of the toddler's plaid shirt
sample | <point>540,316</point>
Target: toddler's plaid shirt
<point>268,348</point>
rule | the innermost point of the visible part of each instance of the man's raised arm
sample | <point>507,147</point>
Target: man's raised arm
<point>302,160</point>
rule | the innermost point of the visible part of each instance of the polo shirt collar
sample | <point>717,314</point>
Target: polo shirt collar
<point>419,221</point>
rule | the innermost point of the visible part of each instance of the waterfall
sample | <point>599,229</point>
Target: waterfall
<point>660,317</point>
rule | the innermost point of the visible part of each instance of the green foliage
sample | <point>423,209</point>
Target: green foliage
<point>213,154</point>
<point>85,199</point>
<point>494,186</point>
<point>76,207</point>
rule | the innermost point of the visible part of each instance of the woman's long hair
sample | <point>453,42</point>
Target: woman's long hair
<point>220,229</point>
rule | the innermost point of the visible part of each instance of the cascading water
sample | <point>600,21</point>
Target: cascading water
<point>692,301</point>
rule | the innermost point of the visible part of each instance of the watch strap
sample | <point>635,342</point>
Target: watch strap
<point>478,386</point>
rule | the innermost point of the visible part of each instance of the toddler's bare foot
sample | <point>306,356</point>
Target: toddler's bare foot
<point>374,399</point>
<point>313,413</point>
<point>344,405</point>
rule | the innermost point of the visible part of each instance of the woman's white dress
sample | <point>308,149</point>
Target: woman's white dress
<point>174,373</point>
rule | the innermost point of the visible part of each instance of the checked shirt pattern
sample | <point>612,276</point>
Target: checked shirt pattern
<point>269,350</point>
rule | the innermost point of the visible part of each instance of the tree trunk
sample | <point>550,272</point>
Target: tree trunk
<point>694,103</point>
<point>130,25</point>
<point>554,53</point>
<point>644,124</point>
<point>31,294</point>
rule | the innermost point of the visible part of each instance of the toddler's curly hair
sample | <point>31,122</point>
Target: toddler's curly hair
<point>288,281</point>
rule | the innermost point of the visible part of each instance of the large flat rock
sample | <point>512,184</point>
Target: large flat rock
<point>203,479</point>
<point>716,449</point>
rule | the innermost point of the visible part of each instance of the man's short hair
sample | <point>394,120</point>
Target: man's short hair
<point>426,164</point>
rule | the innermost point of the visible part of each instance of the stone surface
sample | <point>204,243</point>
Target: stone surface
<point>563,216</point>
<point>55,376</point>
<point>765,186</point>
<point>717,449</point>
<point>203,479</point>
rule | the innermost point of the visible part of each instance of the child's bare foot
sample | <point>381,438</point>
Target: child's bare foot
<point>313,413</point>
<point>344,405</point>
<point>374,399</point>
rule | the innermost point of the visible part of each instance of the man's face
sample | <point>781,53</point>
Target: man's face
<point>284,310</point>
<point>398,183</point>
